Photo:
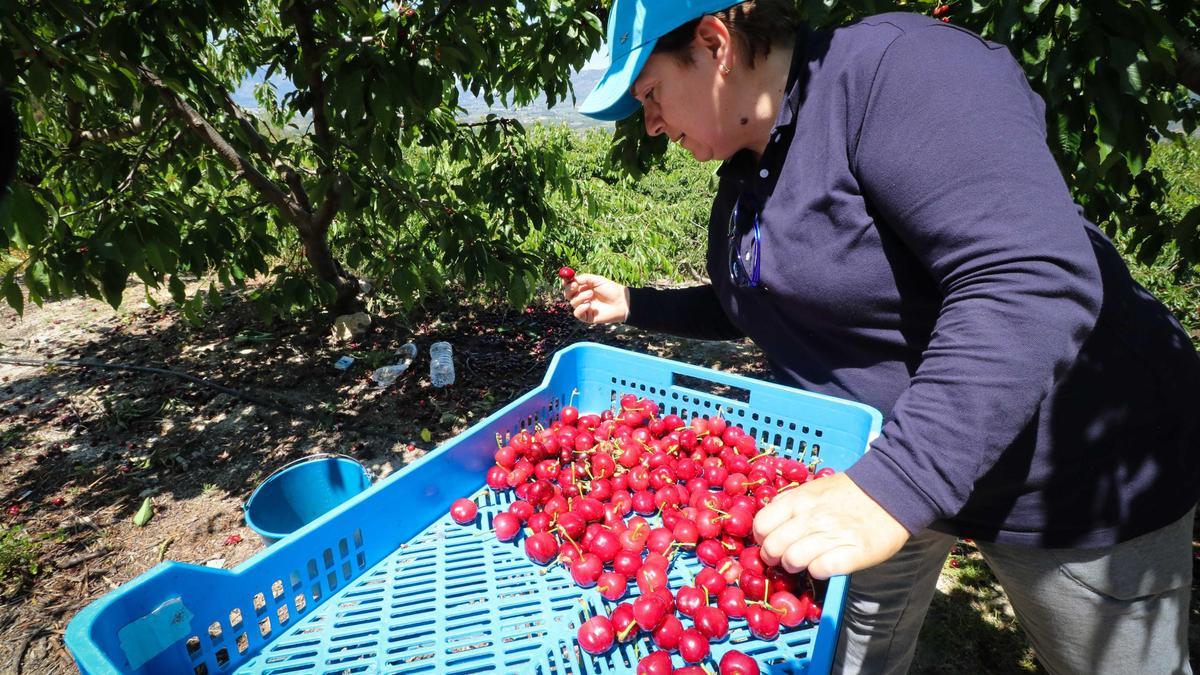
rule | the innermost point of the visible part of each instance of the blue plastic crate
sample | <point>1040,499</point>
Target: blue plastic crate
<point>386,583</point>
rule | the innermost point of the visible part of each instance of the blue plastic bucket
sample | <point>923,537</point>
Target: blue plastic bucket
<point>301,492</point>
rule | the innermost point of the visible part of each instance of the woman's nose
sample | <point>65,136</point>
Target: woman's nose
<point>654,123</point>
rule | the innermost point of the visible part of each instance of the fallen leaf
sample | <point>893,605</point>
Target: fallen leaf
<point>144,514</point>
<point>426,436</point>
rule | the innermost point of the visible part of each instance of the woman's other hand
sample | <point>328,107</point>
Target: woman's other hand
<point>828,526</point>
<point>595,299</point>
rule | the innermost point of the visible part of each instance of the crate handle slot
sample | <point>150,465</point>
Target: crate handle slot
<point>713,388</point>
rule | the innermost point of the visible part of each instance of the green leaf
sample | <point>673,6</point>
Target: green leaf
<point>28,216</point>
<point>112,283</point>
<point>177,289</point>
<point>12,293</point>
<point>426,435</point>
<point>144,514</point>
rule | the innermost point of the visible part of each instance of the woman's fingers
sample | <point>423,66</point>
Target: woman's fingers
<point>780,538</point>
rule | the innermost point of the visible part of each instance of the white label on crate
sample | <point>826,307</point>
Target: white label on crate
<point>150,635</point>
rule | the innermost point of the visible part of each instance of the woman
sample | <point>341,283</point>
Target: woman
<point>890,227</point>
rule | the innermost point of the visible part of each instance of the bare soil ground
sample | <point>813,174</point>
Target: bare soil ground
<point>82,448</point>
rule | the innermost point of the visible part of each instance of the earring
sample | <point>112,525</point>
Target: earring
<point>725,70</point>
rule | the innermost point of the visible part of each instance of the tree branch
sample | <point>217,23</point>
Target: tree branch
<point>259,145</point>
<point>209,135</point>
<point>316,80</point>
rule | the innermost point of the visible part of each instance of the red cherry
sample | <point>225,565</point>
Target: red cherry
<point>737,663</point>
<point>763,622</point>
<point>569,415</point>
<point>649,611</point>
<point>732,602</point>
<point>655,663</point>
<point>693,646</point>
<point>596,635</point>
<point>712,622</point>
<point>612,585</point>
<point>497,478</point>
<point>541,547</point>
<point>668,633</point>
<point>739,522</point>
<point>606,545</point>
<point>814,613</point>
<point>566,274</point>
<point>794,610</point>
<point>689,599</point>
<point>751,560</point>
<point>586,571</point>
<point>754,585</point>
<point>627,563</point>
<point>540,522</point>
<point>506,526</point>
<point>651,578</point>
<point>463,511</point>
<point>58,501</point>
<point>711,581</point>
<point>710,552</point>
<point>521,509</point>
<point>624,622</point>
<point>731,570</point>
<point>660,537</point>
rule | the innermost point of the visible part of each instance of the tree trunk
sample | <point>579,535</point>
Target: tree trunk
<point>316,250</point>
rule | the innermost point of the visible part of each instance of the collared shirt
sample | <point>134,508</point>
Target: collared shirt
<point>920,253</point>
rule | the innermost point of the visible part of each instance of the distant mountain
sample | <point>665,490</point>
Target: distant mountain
<point>564,112</point>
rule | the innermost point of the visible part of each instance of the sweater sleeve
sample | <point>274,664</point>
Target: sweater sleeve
<point>692,312</point>
<point>952,156</point>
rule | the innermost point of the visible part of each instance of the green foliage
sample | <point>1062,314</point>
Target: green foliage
<point>1169,275</point>
<point>1107,70</point>
<point>137,161</point>
<point>18,556</point>
<point>633,231</point>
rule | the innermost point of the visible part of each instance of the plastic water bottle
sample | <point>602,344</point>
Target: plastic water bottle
<point>387,375</point>
<point>441,364</point>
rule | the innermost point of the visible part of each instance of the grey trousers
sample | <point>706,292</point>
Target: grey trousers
<point>1120,609</point>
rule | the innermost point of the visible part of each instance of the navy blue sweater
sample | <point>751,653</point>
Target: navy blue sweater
<point>921,253</point>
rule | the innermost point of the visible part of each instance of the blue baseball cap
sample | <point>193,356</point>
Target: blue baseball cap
<point>634,26</point>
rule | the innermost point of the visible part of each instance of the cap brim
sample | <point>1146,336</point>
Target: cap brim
<point>610,100</point>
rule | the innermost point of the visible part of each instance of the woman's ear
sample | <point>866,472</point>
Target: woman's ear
<point>713,38</point>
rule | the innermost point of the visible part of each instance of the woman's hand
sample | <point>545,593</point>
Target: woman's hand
<point>828,526</point>
<point>597,300</point>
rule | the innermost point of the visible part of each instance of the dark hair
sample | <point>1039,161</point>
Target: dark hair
<point>10,141</point>
<point>757,25</point>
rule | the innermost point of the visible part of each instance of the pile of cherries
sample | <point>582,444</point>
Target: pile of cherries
<point>578,481</point>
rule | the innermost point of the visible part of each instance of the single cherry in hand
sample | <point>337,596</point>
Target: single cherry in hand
<point>566,274</point>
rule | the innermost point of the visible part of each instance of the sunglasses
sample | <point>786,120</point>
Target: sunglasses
<point>744,274</point>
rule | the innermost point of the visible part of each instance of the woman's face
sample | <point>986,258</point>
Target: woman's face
<point>685,101</point>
